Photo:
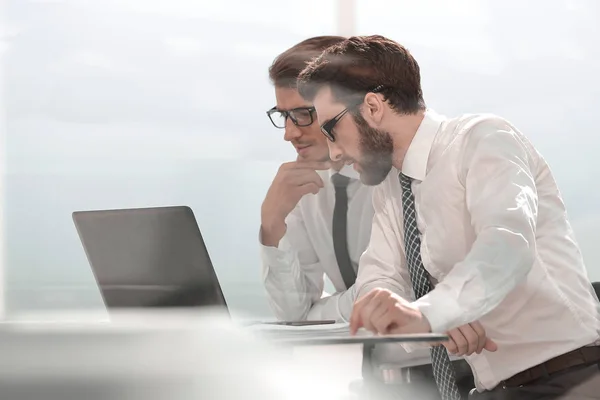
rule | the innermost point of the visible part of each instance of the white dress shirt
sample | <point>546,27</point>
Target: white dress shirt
<point>496,241</point>
<point>293,273</point>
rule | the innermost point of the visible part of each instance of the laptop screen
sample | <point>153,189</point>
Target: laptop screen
<point>149,257</point>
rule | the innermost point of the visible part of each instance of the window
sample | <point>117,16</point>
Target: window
<point>532,62</point>
<point>135,103</point>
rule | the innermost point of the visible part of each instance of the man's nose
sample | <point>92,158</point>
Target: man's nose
<point>335,152</point>
<point>291,131</point>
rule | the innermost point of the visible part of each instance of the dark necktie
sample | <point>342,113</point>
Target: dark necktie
<point>443,371</point>
<point>340,229</point>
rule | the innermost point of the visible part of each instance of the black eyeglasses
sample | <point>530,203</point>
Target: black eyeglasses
<point>327,127</point>
<point>301,116</point>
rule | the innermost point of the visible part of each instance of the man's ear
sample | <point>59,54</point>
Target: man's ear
<point>373,108</point>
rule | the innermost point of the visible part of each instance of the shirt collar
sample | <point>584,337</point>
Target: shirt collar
<point>417,155</point>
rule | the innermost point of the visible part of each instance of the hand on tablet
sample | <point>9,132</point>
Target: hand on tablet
<point>383,312</point>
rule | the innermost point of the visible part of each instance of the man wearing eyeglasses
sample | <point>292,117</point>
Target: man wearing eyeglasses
<point>469,225</point>
<point>316,217</point>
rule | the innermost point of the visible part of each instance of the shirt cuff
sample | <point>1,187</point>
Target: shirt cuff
<point>278,257</point>
<point>440,311</point>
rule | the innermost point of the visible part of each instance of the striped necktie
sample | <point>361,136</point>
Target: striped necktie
<point>443,371</point>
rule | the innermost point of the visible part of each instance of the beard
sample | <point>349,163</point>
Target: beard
<point>376,149</point>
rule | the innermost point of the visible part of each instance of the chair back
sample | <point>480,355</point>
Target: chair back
<point>596,286</point>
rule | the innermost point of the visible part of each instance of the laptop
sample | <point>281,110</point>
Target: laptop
<point>149,257</point>
<point>156,257</point>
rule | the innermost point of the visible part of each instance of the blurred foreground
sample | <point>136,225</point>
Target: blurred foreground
<point>151,355</point>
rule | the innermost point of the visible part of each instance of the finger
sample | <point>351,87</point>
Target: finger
<point>385,322</point>
<point>300,191</point>
<point>401,316</point>
<point>374,308</point>
<point>450,345</point>
<point>490,345</point>
<point>301,164</point>
<point>377,306</point>
<point>355,319</point>
<point>300,177</point>
<point>287,165</point>
<point>471,337</point>
<point>481,335</point>
<point>377,320</point>
<point>388,317</point>
<point>460,340</point>
<point>312,165</point>
<point>355,322</point>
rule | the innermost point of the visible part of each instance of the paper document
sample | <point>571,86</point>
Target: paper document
<point>301,330</point>
<point>273,331</point>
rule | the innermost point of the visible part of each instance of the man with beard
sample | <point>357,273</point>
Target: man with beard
<point>469,225</point>
<point>316,219</point>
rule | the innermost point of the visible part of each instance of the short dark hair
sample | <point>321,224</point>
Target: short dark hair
<point>287,66</point>
<point>360,64</point>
